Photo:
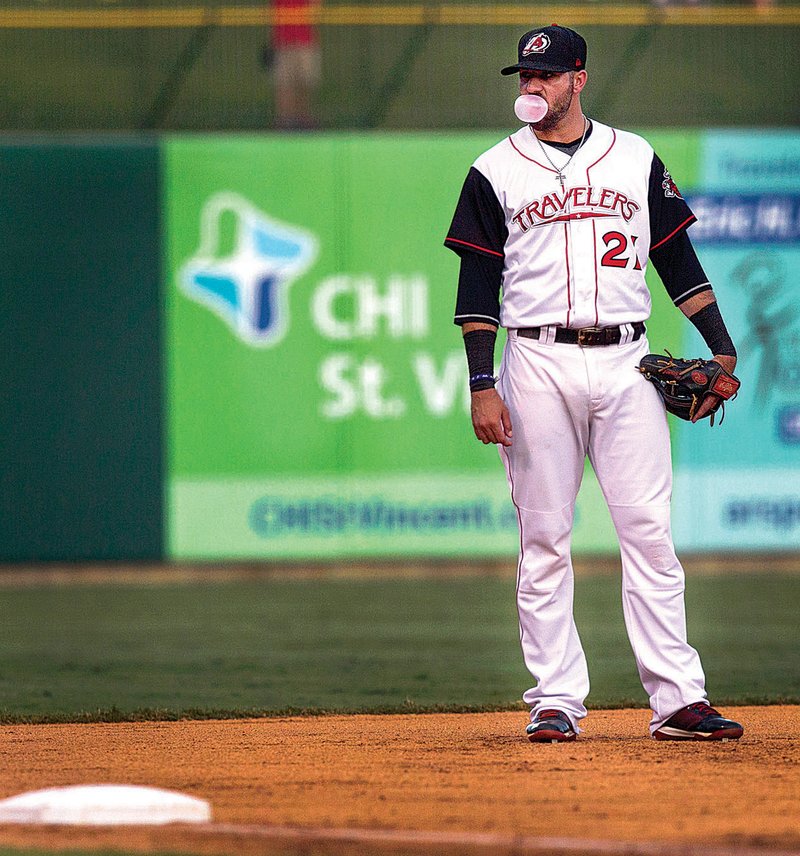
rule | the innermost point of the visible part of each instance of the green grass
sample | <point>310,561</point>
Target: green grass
<point>234,649</point>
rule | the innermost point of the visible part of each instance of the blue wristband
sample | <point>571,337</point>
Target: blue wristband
<point>478,382</point>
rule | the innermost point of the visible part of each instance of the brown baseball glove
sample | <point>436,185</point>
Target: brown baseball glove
<point>686,384</point>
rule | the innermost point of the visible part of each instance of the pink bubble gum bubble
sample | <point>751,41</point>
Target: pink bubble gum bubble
<point>530,108</point>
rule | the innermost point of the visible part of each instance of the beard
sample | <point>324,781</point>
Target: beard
<point>556,112</point>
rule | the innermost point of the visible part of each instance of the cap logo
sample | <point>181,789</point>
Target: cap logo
<point>536,44</point>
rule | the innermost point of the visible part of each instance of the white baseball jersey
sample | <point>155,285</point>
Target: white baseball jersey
<point>572,256</point>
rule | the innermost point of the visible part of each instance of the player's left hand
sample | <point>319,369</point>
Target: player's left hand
<point>729,364</point>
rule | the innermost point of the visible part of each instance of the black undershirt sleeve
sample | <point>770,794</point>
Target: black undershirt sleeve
<point>671,251</point>
<point>669,213</point>
<point>478,235</point>
<point>478,222</point>
<point>680,269</point>
<point>478,297</point>
<point>674,258</point>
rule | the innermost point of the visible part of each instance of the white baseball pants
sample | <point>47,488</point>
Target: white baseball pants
<point>567,402</point>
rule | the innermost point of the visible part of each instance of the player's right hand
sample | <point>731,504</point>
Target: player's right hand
<point>490,418</point>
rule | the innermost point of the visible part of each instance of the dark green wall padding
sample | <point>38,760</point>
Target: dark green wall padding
<point>80,386</point>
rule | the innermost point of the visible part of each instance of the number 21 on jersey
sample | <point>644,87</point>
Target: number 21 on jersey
<point>617,254</point>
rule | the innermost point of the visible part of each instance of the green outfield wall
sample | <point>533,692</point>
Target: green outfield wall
<point>80,285</point>
<point>241,347</point>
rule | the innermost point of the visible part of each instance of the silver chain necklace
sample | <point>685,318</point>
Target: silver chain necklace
<point>560,172</point>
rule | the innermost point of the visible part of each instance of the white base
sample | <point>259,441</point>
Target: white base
<point>104,805</point>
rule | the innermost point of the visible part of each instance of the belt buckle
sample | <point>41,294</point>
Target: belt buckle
<point>585,335</point>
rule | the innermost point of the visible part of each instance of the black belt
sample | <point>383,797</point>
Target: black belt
<point>586,337</point>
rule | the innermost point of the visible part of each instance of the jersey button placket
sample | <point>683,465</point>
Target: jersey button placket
<point>582,261</point>
<point>572,291</point>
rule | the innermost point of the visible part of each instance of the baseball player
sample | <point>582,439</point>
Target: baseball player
<point>562,217</point>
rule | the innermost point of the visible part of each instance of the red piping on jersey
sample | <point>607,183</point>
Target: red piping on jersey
<point>594,230</point>
<point>543,166</point>
<point>521,559</point>
<point>596,274</point>
<point>474,246</point>
<point>566,256</point>
<point>613,140</point>
<point>683,225</point>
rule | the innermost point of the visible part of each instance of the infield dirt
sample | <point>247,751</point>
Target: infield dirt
<point>466,774</point>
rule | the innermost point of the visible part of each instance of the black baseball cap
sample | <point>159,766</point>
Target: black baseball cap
<point>550,48</point>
